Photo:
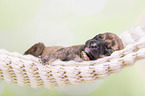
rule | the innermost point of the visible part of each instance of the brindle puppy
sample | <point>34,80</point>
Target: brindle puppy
<point>99,46</point>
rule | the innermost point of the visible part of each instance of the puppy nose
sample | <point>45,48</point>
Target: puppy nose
<point>94,44</point>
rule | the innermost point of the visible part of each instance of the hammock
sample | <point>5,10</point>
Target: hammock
<point>26,70</point>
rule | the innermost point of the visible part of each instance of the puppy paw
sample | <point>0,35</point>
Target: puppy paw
<point>84,56</point>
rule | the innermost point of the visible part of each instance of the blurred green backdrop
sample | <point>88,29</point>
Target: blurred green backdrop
<point>71,22</point>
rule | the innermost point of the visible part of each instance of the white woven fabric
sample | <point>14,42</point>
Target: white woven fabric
<point>27,70</point>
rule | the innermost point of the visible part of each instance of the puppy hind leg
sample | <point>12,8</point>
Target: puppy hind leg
<point>35,50</point>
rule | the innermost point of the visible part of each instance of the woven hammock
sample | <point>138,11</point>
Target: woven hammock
<point>26,70</point>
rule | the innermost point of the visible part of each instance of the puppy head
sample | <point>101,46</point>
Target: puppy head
<point>97,48</point>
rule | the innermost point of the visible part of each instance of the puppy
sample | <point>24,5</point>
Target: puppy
<point>99,46</point>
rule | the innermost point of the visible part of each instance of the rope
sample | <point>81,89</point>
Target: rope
<point>26,70</point>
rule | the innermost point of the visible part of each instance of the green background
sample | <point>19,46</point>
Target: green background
<point>66,23</point>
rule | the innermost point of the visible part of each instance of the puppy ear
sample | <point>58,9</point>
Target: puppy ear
<point>36,49</point>
<point>99,37</point>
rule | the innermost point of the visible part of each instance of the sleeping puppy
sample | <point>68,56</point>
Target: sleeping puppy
<point>99,46</point>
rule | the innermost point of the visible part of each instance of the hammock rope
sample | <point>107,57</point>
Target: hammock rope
<point>27,70</point>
